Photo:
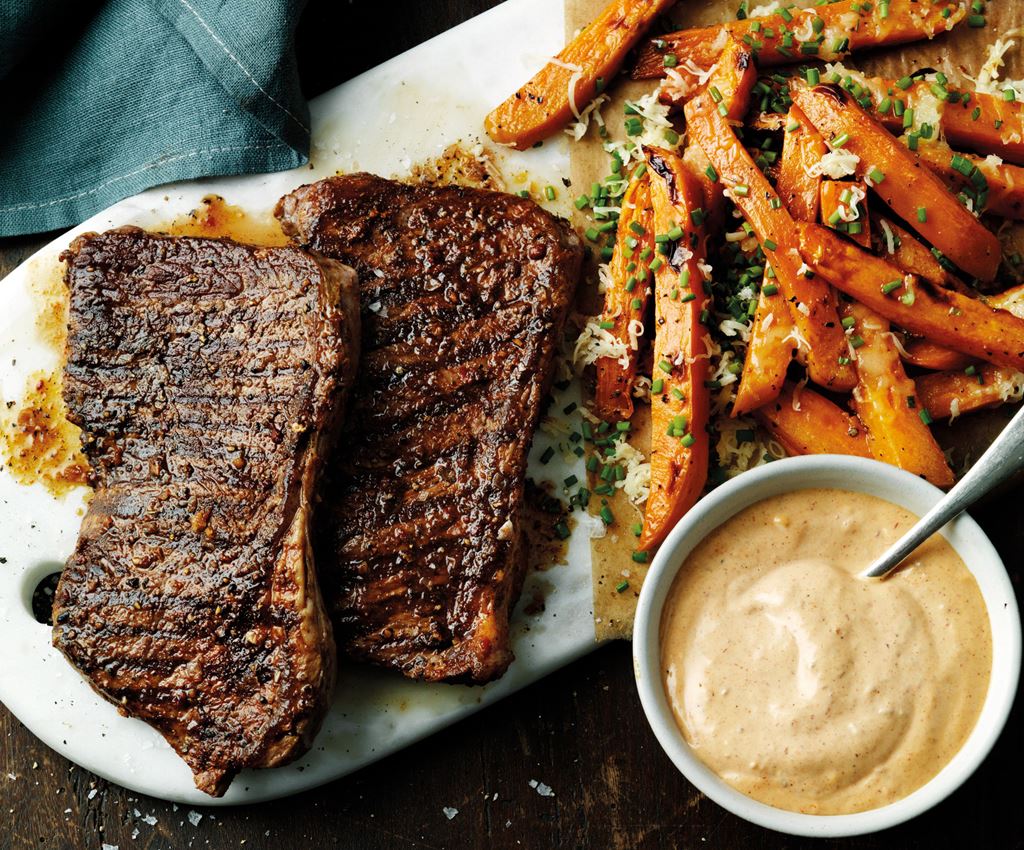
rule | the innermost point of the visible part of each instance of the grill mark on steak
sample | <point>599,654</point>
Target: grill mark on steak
<point>464,293</point>
<point>206,377</point>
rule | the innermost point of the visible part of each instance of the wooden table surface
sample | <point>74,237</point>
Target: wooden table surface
<point>581,731</point>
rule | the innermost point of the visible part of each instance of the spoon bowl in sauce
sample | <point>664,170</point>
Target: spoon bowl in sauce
<point>782,688</point>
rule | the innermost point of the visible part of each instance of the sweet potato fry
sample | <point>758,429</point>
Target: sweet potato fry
<point>844,208</point>
<point>791,35</point>
<point>943,393</point>
<point>885,400</point>
<point>912,192</point>
<point>680,402</point>
<point>812,301</point>
<point>988,124</point>
<point>564,86</point>
<point>929,355</point>
<point>806,423</point>
<point>769,351</point>
<point>979,121</point>
<point>908,254</point>
<point>625,302</point>
<point>953,320</point>
<point>802,147</point>
<point>1001,184</point>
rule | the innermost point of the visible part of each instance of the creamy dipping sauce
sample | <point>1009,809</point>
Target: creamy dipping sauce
<point>806,687</point>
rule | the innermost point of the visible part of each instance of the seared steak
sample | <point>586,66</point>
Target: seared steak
<point>463,294</point>
<point>205,375</point>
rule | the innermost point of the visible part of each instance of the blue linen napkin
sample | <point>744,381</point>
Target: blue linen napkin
<point>99,101</point>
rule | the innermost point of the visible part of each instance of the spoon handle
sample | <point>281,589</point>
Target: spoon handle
<point>1000,461</point>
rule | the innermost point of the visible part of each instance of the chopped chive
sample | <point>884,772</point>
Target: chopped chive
<point>688,297</point>
<point>670,60</point>
<point>848,322</point>
<point>1009,95</point>
<point>606,326</point>
<point>688,440</point>
<point>890,286</point>
<point>675,233</point>
<point>922,214</point>
<point>711,174</point>
<point>607,515</point>
<point>841,140</point>
<point>976,21</point>
<point>769,289</point>
<point>582,202</point>
<point>657,386</point>
<point>876,175</point>
<point>856,341</point>
<point>665,366</point>
<point>622,586</point>
<point>770,245</point>
<point>741,190</point>
<point>926,417</point>
<point>697,217</point>
<point>904,83</point>
<point>549,192</point>
<point>549,453</point>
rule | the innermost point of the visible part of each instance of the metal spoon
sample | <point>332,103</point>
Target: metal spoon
<point>1001,460</point>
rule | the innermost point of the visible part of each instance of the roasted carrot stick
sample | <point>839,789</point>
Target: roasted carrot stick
<point>680,402</point>
<point>812,302</point>
<point>912,192</point>
<point>930,355</point>
<point>953,320</point>
<point>802,147</point>
<point>885,400</point>
<point>565,85</point>
<point>944,393</point>
<point>999,183</point>
<point>769,351</point>
<point>806,423</point>
<point>792,35</point>
<point>844,207</point>
<point>625,302</point>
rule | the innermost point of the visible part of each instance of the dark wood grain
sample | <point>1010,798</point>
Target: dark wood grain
<point>581,731</point>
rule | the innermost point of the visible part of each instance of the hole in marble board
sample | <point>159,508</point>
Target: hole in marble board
<point>41,603</point>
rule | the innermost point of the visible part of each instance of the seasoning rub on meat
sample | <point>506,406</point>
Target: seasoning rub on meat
<point>464,293</point>
<point>206,377</point>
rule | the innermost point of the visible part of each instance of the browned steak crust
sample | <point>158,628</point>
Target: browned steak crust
<point>204,375</point>
<point>464,293</point>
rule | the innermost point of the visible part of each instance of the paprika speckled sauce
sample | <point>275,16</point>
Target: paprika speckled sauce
<point>807,687</point>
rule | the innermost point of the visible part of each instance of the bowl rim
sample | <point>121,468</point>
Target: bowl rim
<point>858,475</point>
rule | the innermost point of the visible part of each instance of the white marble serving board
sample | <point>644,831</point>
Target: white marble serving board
<point>403,112</point>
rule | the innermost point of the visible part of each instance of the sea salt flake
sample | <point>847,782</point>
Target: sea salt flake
<point>449,812</point>
<point>194,817</point>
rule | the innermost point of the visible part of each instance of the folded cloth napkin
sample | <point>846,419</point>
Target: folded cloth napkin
<point>100,100</point>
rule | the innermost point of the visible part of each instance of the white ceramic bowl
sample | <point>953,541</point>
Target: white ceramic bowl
<point>844,473</point>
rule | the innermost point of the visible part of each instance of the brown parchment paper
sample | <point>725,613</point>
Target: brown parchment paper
<point>961,51</point>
